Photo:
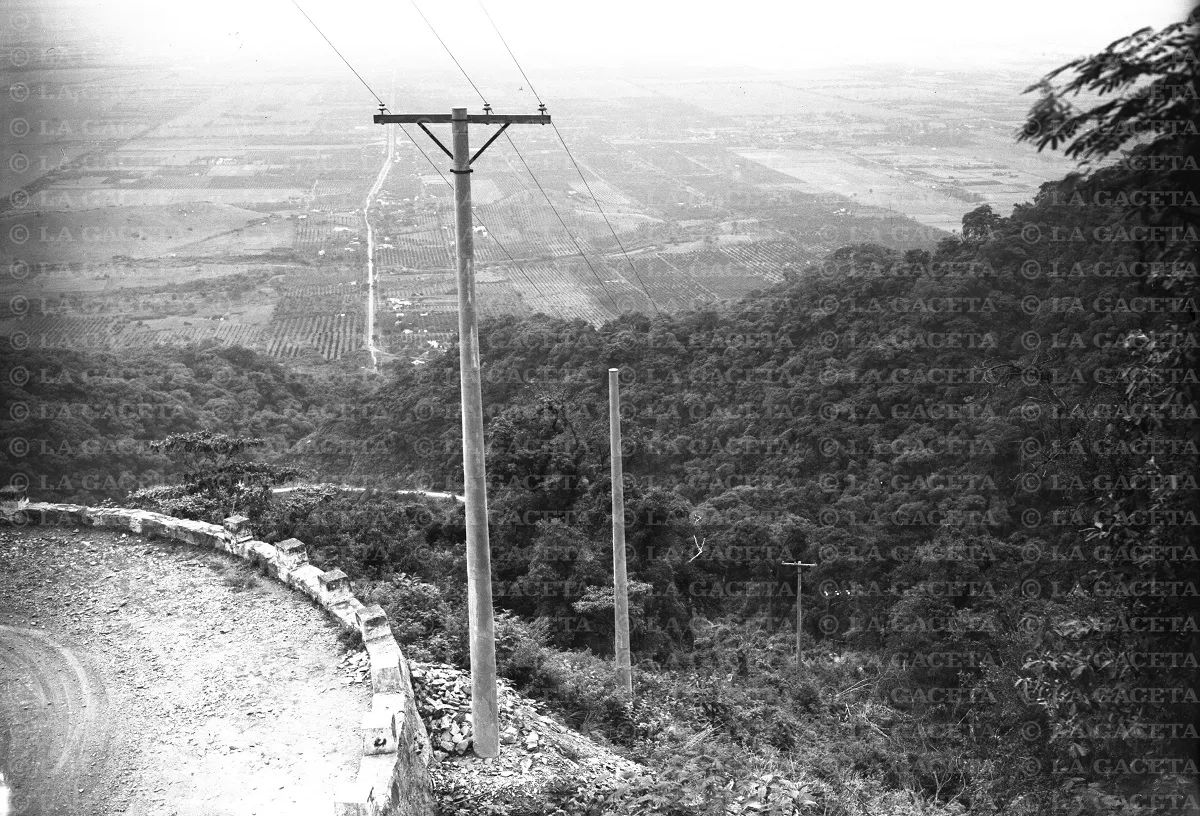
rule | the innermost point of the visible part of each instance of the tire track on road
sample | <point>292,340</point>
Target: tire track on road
<point>52,710</point>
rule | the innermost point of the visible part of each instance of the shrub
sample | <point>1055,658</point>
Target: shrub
<point>520,647</point>
<point>422,621</point>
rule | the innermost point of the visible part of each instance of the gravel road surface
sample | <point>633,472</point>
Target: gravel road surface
<point>140,677</point>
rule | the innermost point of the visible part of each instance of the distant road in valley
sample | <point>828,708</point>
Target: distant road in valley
<point>375,188</point>
<point>428,494</point>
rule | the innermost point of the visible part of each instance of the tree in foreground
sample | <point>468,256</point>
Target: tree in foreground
<point>1139,146</point>
<point>215,479</point>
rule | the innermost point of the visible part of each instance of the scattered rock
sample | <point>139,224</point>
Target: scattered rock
<point>537,752</point>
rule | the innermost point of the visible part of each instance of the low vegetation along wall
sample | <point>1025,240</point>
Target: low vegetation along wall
<point>393,777</point>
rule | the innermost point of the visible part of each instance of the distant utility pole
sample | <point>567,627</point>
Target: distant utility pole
<point>620,581</point>
<point>799,607</point>
<point>484,723</point>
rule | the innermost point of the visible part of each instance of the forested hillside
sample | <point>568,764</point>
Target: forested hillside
<point>80,424</point>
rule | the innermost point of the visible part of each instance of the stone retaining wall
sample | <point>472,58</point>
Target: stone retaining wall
<point>393,778</point>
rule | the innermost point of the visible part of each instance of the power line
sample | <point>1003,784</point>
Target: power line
<point>339,53</point>
<point>571,156</point>
<point>448,51</point>
<point>503,248</point>
<point>628,260</point>
<point>511,54</point>
<point>522,158</point>
<point>564,224</point>
<point>379,99</point>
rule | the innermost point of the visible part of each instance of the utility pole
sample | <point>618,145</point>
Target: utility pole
<point>799,607</point>
<point>620,581</point>
<point>484,715</point>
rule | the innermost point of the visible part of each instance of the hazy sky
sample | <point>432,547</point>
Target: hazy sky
<point>622,35</point>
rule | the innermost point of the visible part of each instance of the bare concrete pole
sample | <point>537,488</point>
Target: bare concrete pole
<point>799,606</point>
<point>479,564</point>
<point>620,581</point>
<point>484,723</point>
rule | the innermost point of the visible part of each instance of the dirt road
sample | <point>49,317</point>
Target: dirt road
<point>147,678</point>
<point>54,710</point>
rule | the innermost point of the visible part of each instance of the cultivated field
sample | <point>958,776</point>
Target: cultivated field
<point>236,208</point>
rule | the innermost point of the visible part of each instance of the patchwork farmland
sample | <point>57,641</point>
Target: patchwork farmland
<point>237,208</point>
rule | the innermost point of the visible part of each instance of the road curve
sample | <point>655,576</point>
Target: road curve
<point>53,715</point>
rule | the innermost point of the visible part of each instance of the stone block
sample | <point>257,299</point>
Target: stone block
<point>293,553</point>
<point>346,613</point>
<point>160,525</point>
<point>375,772</point>
<point>373,623</point>
<point>35,512</point>
<point>335,586</point>
<point>138,519</point>
<point>198,533</point>
<point>238,526</point>
<point>204,534</point>
<point>117,518</point>
<point>237,534</point>
<point>385,658</point>
<point>239,547</point>
<point>261,553</point>
<point>65,514</point>
<point>352,799</point>
<point>307,579</point>
<point>377,733</point>
<point>391,703</point>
